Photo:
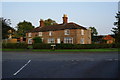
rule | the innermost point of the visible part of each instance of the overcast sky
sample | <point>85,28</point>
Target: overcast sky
<point>100,15</point>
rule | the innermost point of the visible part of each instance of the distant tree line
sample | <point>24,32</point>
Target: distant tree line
<point>22,27</point>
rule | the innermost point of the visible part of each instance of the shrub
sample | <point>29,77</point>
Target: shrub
<point>37,40</point>
<point>15,45</point>
<point>85,46</point>
<point>41,46</point>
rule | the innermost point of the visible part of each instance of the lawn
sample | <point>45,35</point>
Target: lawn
<point>62,50</point>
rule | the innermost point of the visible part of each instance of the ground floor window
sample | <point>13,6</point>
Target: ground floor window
<point>30,41</point>
<point>51,40</point>
<point>68,40</point>
<point>82,40</point>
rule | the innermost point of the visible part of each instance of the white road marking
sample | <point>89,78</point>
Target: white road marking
<point>116,59</point>
<point>22,68</point>
<point>109,59</point>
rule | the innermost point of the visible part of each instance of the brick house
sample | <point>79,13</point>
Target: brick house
<point>69,33</point>
<point>109,39</point>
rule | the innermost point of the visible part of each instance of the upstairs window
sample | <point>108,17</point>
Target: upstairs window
<point>29,34</point>
<point>40,34</point>
<point>82,32</point>
<point>50,33</point>
<point>67,32</point>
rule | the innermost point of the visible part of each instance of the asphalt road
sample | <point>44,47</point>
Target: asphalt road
<point>60,65</point>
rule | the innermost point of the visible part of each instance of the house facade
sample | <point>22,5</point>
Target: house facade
<point>109,39</point>
<point>68,33</point>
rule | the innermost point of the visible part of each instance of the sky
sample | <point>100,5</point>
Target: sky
<point>100,15</point>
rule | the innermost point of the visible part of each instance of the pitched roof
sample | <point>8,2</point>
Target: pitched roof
<point>57,27</point>
<point>108,37</point>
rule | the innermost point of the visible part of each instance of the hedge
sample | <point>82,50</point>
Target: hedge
<point>74,46</point>
<point>59,46</point>
<point>14,45</point>
<point>41,46</point>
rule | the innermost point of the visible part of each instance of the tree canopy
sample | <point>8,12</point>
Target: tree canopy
<point>93,33</point>
<point>49,22</point>
<point>116,30</point>
<point>23,27</point>
<point>6,28</point>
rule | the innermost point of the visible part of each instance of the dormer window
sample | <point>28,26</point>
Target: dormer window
<point>50,33</point>
<point>29,34</point>
<point>40,34</point>
<point>67,32</point>
<point>82,32</point>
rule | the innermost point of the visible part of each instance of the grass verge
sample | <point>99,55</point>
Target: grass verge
<point>64,50</point>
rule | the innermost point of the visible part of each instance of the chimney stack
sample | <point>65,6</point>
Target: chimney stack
<point>65,19</point>
<point>41,23</point>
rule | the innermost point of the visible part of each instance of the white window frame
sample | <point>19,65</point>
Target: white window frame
<point>29,40</point>
<point>50,33</point>
<point>58,40</point>
<point>40,33</point>
<point>51,40</point>
<point>68,40</point>
<point>82,32</point>
<point>42,39</point>
<point>67,32</point>
<point>82,41</point>
<point>29,34</point>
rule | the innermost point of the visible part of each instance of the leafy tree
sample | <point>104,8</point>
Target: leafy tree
<point>116,30</point>
<point>49,22</point>
<point>37,40</point>
<point>6,29</point>
<point>93,33</point>
<point>23,27</point>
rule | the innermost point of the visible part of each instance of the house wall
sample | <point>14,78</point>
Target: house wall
<point>74,33</point>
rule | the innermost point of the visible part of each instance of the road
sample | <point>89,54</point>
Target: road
<point>60,64</point>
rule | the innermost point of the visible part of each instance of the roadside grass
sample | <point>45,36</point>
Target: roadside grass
<point>65,50</point>
<point>79,50</point>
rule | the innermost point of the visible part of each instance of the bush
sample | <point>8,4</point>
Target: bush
<point>41,46</point>
<point>37,40</point>
<point>74,46</point>
<point>15,45</point>
<point>58,46</point>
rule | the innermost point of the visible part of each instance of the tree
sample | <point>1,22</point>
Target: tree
<point>49,22</point>
<point>37,40</point>
<point>116,30</point>
<point>93,33</point>
<point>23,27</point>
<point>6,28</point>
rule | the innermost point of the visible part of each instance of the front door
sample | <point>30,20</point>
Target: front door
<point>58,40</point>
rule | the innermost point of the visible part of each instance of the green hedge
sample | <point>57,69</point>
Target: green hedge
<point>15,45</point>
<point>84,46</point>
<point>59,46</point>
<point>74,46</point>
<point>41,46</point>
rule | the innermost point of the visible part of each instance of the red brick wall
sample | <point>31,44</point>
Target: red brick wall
<point>74,33</point>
